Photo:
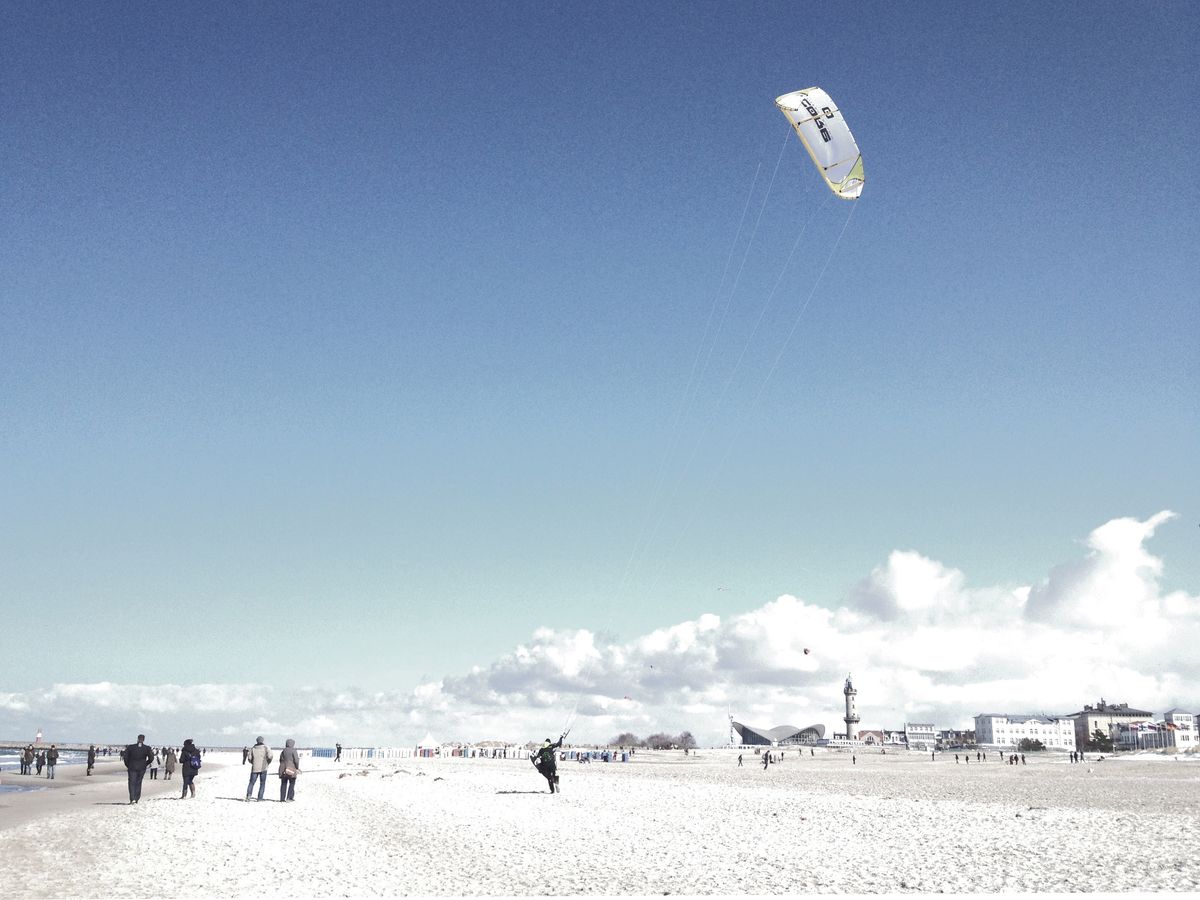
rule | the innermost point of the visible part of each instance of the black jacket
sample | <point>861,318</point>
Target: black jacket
<point>547,759</point>
<point>190,751</point>
<point>138,756</point>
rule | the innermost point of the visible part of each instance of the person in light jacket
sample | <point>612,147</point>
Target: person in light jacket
<point>289,768</point>
<point>260,758</point>
<point>170,760</point>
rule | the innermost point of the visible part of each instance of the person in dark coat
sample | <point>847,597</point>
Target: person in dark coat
<point>190,756</point>
<point>546,762</point>
<point>51,760</point>
<point>91,758</point>
<point>289,768</point>
<point>137,757</point>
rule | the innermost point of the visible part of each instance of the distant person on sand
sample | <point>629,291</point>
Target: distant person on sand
<point>51,760</point>
<point>260,758</point>
<point>289,768</point>
<point>191,766</point>
<point>545,760</point>
<point>154,767</point>
<point>91,760</point>
<point>136,758</point>
<point>245,754</point>
<point>739,759</point>
<point>169,763</point>
<point>338,757</point>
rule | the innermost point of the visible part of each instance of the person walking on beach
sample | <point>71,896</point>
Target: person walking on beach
<point>154,767</point>
<point>545,760</point>
<point>41,761</point>
<point>91,759</point>
<point>169,763</point>
<point>260,758</point>
<point>289,768</point>
<point>136,758</point>
<point>191,766</point>
<point>338,757</point>
<point>245,754</point>
<point>27,760</point>
<point>739,760</point>
<point>51,760</point>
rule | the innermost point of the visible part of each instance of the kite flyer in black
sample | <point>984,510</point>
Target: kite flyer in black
<point>545,760</point>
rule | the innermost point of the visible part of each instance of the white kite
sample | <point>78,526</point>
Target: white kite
<point>827,138</point>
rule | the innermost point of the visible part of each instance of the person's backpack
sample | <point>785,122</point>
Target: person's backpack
<point>194,759</point>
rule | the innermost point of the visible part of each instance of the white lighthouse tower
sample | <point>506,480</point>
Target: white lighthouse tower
<point>851,712</point>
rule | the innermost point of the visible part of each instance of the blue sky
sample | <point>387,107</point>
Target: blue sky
<point>346,347</point>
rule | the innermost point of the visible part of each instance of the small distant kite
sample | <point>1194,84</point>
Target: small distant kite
<point>806,651</point>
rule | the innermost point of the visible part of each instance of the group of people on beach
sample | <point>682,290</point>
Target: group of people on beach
<point>259,758</point>
<point>139,758</point>
<point>39,759</point>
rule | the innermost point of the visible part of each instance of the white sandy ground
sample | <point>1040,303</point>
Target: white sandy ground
<point>663,824</point>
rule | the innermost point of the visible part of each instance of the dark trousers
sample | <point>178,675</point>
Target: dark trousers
<point>262,784</point>
<point>287,788</point>
<point>135,784</point>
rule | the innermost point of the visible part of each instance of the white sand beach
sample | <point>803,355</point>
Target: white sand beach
<point>664,823</point>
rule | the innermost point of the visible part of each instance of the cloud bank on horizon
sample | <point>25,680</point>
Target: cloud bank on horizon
<point>924,646</point>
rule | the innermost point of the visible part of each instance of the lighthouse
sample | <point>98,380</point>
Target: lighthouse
<point>851,713</point>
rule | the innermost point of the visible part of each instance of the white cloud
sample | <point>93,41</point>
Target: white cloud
<point>923,644</point>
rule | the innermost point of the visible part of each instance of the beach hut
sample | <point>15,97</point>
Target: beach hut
<point>427,746</point>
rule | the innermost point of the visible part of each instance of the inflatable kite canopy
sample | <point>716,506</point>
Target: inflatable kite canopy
<point>827,138</point>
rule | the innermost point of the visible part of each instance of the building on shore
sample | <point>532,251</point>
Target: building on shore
<point>953,738</point>
<point>1104,716</point>
<point>1006,731</point>
<point>886,739</point>
<point>1181,725</point>
<point>1176,731</point>
<point>920,736</point>
<point>779,736</point>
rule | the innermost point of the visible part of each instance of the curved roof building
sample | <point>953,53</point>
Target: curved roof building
<point>780,734</point>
